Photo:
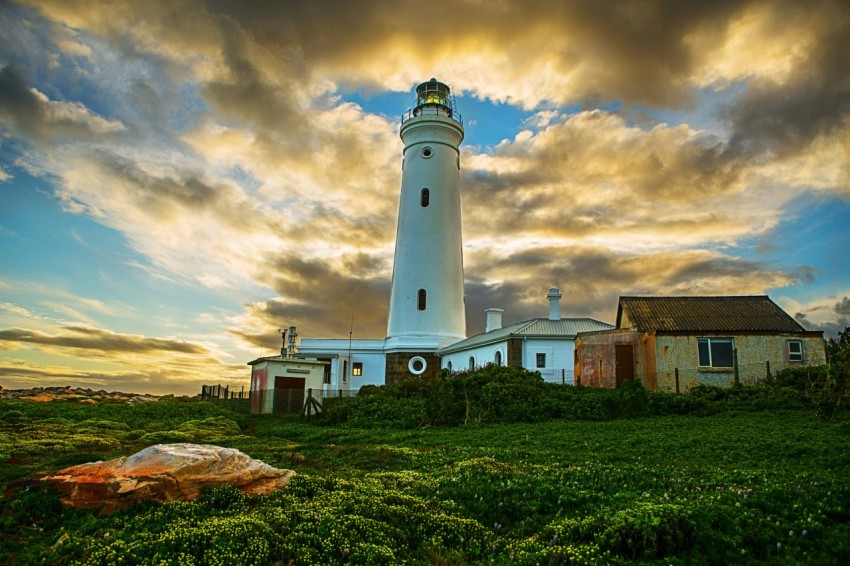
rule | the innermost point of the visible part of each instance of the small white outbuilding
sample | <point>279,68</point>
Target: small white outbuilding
<point>281,385</point>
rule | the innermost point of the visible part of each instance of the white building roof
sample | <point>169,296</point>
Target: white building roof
<point>536,327</point>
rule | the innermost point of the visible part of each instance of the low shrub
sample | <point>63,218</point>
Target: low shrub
<point>809,379</point>
<point>497,394</point>
<point>649,531</point>
<point>166,437</point>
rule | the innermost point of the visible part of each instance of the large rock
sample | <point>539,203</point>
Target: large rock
<point>164,472</point>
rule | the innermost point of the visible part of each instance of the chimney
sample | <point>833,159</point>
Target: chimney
<point>494,319</point>
<point>554,297</point>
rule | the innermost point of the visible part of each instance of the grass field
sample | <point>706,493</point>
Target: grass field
<point>733,487</point>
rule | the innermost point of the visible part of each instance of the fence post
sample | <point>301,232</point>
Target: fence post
<point>677,380</point>
<point>735,366</point>
<point>767,363</point>
<point>563,376</point>
<point>309,404</point>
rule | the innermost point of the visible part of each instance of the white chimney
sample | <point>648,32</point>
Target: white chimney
<point>554,297</point>
<point>494,319</point>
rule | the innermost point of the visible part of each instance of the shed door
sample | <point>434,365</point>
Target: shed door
<point>625,360</point>
<point>288,394</point>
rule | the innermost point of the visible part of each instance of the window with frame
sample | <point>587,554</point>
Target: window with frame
<point>541,360</point>
<point>471,362</point>
<point>497,359</point>
<point>449,365</point>
<point>345,371</point>
<point>795,351</point>
<point>421,299</point>
<point>715,352</point>
<point>357,369</point>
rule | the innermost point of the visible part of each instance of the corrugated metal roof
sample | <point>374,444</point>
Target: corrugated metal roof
<point>562,327</point>
<point>707,314</point>
<point>565,327</point>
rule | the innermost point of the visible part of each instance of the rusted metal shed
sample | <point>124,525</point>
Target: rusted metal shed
<point>675,343</point>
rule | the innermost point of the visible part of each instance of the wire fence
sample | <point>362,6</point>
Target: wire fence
<point>560,376</point>
<point>209,392</point>
<point>280,401</point>
<point>681,380</point>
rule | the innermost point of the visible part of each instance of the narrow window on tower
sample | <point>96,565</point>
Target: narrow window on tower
<point>421,300</point>
<point>425,198</point>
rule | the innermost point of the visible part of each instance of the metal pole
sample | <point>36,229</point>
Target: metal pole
<point>350,332</point>
<point>677,380</point>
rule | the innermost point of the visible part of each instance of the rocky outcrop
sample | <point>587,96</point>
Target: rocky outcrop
<point>164,472</point>
<point>79,394</point>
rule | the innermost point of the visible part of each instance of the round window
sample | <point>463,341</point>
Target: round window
<point>427,152</point>
<point>417,365</point>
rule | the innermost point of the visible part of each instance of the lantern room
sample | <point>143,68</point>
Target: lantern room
<point>433,98</point>
<point>434,92</point>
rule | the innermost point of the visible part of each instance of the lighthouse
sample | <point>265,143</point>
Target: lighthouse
<point>426,302</point>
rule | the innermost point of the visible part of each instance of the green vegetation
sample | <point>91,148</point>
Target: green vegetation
<point>489,467</point>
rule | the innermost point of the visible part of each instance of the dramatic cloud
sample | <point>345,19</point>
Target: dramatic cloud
<point>27,112</point>
<point>100,340</point>
<point>324,297</point>
<point>591,279</point>
<point>787,113</point>
<point>614,178</point>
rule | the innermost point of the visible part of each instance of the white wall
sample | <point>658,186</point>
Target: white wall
<point>483,355</point>
<point>374,369</point>
<point>559,358</point>
<point>369,352</point>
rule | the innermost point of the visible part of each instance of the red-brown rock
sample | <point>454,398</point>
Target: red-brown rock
<point>164,472</point>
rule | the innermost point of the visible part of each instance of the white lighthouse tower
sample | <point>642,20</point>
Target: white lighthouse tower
<point>426,303</point>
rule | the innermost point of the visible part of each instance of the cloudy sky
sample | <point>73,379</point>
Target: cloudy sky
<point>181,178</point>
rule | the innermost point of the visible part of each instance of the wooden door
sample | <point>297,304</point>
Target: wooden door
<point>288,394</point>
<point>625,363</point>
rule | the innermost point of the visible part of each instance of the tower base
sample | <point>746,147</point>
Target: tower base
<point>403,365</point>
